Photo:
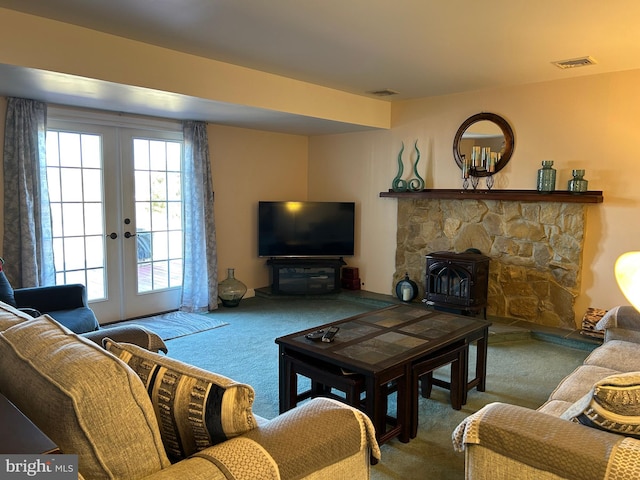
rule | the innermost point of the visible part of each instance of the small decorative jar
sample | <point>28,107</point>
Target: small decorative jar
<point>230,290</point>
<point>577,184</point>
<point>547,177</point>
<point>406,289</point>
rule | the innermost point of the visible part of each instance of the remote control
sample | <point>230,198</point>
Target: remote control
<point>328,337</point>
<point>317,335</point>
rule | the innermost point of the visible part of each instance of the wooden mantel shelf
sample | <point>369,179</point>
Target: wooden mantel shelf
<point>591,196</point>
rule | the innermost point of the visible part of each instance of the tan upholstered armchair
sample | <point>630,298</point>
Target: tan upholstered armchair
<point>589,428</point>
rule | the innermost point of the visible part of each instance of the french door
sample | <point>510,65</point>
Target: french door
<point>116,205</point>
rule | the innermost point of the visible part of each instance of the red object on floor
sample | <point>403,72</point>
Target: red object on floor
<point>350,273</point>
<point>351,283</point>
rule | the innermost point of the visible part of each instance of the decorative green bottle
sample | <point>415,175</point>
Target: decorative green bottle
<point>547,177</point>
<point>577,184</point>
<point>231,290</point>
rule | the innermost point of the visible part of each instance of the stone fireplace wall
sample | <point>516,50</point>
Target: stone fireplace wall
<point>535,250</point>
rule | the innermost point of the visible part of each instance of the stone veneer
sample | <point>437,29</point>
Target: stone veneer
<point>535,250</point>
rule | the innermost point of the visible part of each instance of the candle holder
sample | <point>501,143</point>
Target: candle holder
<point>406,289</point>
<point>489,182</point>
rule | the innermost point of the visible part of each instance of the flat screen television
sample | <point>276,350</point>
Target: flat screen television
<point>306,229</point>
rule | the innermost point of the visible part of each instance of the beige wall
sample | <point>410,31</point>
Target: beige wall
<point>356,167</point>
<point>588,122</point>
<point>249,166</point>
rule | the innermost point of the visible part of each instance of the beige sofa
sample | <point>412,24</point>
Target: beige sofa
<point>132,414</point>
<point>589,428</point>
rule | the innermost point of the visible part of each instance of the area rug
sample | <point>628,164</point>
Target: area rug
<point>176,324</point>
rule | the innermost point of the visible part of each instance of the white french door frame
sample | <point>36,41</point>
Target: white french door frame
<point>122,298</point>
<point>139,303</point>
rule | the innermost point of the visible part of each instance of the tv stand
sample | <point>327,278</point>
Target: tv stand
<point>304,276</point>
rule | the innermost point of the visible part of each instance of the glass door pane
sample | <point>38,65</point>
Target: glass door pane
<point>158,209</point>
<point>74,174</point>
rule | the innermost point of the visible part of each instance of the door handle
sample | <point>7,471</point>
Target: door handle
<point>113,235</point>
<point>129,234</point>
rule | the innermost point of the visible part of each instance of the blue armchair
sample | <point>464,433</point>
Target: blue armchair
<point>67,304</point>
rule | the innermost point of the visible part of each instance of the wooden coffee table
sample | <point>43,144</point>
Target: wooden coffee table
<point>18,435</point>
<point>375,353</point>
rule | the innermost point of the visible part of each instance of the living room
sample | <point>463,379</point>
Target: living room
<point>345,146</point>
<point>580,122</point>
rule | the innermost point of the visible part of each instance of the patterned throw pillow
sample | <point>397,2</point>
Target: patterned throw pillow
<point>195,408</point>
<point>613,404</point>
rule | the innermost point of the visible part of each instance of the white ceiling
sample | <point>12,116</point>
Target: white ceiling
<point>418,48</point>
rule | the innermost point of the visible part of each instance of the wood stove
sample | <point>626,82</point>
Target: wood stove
<point>457,281</point>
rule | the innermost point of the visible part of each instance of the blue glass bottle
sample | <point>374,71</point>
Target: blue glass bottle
<point>547,177</point>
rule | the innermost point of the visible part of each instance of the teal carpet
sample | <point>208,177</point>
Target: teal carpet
<point>519,372</point>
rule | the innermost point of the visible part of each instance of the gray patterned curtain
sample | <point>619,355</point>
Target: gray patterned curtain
<point>200,277</point>
<point>28,246</point>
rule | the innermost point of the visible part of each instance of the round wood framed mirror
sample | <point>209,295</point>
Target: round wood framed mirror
<point>480,136</point>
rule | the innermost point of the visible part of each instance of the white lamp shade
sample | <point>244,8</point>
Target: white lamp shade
<point>627,271</point>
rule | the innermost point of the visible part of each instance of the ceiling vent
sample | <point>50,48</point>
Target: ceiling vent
<point>575,62</point>
<point>385,92</point>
